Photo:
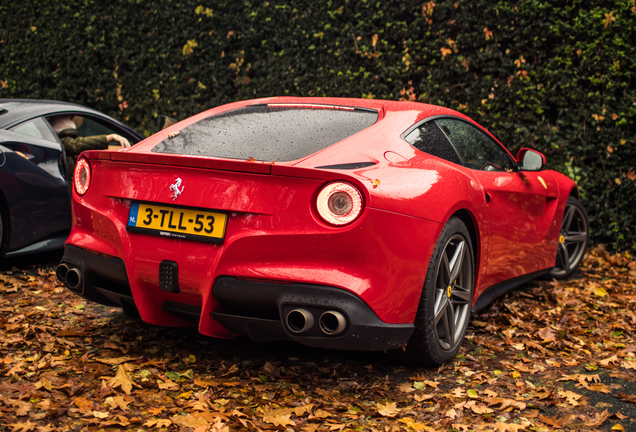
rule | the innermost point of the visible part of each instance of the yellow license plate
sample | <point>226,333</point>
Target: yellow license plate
<point>177,222</point>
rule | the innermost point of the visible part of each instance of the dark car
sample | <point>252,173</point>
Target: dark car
<point>35,202</point>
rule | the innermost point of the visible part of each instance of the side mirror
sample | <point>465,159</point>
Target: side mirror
<point>530,160</point>
<point>163,121</point>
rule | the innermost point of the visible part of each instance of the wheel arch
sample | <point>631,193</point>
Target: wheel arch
<point>471,224</point>
<point>574,192</point>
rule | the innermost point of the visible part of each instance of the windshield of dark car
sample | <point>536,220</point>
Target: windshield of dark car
<point>274,132</point>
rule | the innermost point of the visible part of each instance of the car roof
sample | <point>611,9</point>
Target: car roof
<point>13,111</point>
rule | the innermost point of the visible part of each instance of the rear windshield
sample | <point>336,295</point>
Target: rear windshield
<point>268,132</point>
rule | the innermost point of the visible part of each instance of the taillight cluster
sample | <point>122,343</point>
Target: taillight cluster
<point>339,203</point>
<point>82,176</point>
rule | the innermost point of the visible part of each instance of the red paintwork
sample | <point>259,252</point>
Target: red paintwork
<point>274,232</point>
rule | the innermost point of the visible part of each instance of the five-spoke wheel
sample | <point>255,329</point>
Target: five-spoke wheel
<point>446,302</point>
<point>572,240</point>
<point>453,292</point>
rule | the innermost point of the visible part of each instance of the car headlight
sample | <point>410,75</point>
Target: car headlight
<point>339,203</point>
<point>82,176</point>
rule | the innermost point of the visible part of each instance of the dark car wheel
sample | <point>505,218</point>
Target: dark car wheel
<point>3,232</point>
<point>572,240</point>
<point>446,302</point>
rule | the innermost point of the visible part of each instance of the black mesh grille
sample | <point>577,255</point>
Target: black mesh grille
<point>169,276</point>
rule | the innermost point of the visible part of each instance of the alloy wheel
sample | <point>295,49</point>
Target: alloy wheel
<point>572,240</point>
<point>453,293</point>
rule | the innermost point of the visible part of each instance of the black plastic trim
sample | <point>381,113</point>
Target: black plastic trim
<point>105,280</point>
<point>258,309</point>
<point>347,166</point>
<point>185,311</point>
<point>501,288</point>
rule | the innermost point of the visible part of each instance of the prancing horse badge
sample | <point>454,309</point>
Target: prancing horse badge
<point>175,189</point>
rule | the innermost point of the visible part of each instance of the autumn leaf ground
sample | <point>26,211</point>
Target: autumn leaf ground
<point>549,356</point>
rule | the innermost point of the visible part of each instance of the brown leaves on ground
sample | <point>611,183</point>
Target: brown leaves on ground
<point>551,356</point>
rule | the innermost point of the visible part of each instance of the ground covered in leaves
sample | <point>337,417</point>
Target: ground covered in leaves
<point>550,356</point>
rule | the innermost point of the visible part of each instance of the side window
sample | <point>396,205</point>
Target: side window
<point>475,148</point>
<point>430,139</point>
<point>89,127</point>
<point>36,128</point>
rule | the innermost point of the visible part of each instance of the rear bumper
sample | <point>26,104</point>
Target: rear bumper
<point>261,310</point>
<point>103,279</point>
<point>254,308</point>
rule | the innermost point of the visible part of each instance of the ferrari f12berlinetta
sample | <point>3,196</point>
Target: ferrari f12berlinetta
<point>339,223</point>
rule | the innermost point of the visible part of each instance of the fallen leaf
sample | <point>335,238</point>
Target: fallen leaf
<point>192,421</point>
<point>571,397</point>
<point>412,424</point>
<point>23,427</point>
<point>44,383</point>
<point>122,380</point>
<point>278,419</point>
<point>546,334</point>
<point>22,408</point>
<point>598,419</point>
<point>607,361</point>
<point>115,360</point>
<point>600,292</point>
<point>406,388</point>
<point>508,427</point>
<point>158,423</point>
<point>117,402</point>
<point>167,384</point>
<point>388,410</point>
<point>83,404</point>
<point>419,385</point>
<point>480,409</point>
<point>205,383</point>
<point>321,414</point>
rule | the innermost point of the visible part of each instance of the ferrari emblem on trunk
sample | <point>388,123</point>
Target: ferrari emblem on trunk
<point>175,188</point>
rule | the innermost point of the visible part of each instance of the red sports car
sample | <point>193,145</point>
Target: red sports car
<point>339,223</point>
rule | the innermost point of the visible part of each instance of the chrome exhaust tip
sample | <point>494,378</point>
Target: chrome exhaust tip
<point>332,323</point>
<point>299,321</point>
<point>74,280</point>
<point>60,272</point>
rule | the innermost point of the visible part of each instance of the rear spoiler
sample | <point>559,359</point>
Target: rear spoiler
<point>254,167</point>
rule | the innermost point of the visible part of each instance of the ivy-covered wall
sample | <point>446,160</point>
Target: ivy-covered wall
<point>557,76</point>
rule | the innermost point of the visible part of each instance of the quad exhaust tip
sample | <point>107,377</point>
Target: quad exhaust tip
<point>332,323</point>
<point>300,320</point>
<point>74,280</point>
<point>60,272</point>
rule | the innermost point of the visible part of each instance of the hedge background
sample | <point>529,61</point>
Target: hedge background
<point>557,76</point>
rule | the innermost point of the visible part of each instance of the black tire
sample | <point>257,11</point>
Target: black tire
<point>4,230</point>
<point>445,305</point>
<point>573,240</point>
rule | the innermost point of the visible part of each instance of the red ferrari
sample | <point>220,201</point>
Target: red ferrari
<point>339,223</point>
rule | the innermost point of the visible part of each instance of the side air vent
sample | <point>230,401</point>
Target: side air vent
<point>348,166</point>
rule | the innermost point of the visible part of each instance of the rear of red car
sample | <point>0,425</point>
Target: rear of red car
<point>211,224</point>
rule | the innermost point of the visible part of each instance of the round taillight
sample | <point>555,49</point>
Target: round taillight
<point>339,203</point>
<point>82,177</point>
